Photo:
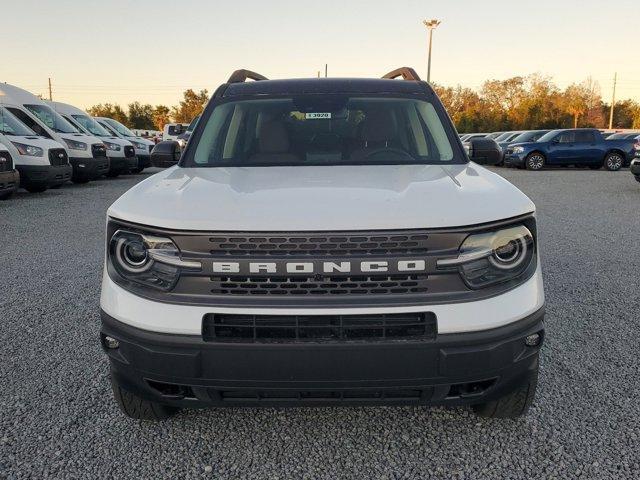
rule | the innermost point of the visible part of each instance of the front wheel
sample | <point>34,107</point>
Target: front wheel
<point>5,196</point>
<point>514,404</point>
<point>535,161</point>
<point>139,408</point>
<point>36,188</point>
<point>613,161</point>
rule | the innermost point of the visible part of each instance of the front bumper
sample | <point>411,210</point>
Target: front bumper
<point>451,369</point>
<point>89,168</point>
<point>514,160</point>
<point>44,175</point>
<point>9,182</point>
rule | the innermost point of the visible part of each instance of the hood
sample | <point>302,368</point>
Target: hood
<point>35,141</point>
<point>81,137</point>
<point>117,140</point>
<point>526,144</point>
<point>321,198</point>
<point>143,140</point>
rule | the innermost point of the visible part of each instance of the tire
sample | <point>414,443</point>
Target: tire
<point>80,180</point>
<point>613,161</point>
<point>637,177</point>
<point>136,170</point>
<point>512,405</point>
<point>113,174</point>
<point>36,189</point>
<point>139,408</point>
<point>5,196</point>
<point>535,161</point>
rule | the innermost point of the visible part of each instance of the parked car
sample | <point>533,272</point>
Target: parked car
<point>9,176</point>
<point>183,138</point>
<point>142,146</point>
<point>494,135</point>
<point>309,249</point>
<point>86,153</point>
<point>624,136</point>
<point>41,162</point>
<point>580,147</point>
<point>635,167</point>
<point>470,136</point>
<point>122,156</point>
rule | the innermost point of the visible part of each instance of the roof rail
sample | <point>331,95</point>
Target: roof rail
<point>242,75</point>
<point>407,73</point>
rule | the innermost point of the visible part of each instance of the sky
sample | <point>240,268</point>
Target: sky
<point>120,51</point>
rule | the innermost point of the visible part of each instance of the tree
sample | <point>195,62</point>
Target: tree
<point>110,111</point>
<point>161,116</point>
<point>191,106</point>
<point>141,116</point>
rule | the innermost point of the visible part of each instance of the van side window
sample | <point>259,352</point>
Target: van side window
<point>29,122</point>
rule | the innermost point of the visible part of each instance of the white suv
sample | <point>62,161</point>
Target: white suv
<point>322,241</point>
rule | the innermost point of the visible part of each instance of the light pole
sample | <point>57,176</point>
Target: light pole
<point>431,25</point>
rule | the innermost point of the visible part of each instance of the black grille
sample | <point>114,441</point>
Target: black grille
<point>58,156</point>
<point>98,150</point>
<point>324,285</point>
<point>129,151</point>
<point>319,244</point>
<point>6,163</point>
<point>301,328</point>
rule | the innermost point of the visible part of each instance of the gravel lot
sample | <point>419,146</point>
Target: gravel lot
<point>58,420</point>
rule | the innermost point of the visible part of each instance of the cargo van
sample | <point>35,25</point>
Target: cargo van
<point>41,162</point>
<point>142,146</point>
<point>122,156</point>
<point>87,154</point>
<point>171,131</point>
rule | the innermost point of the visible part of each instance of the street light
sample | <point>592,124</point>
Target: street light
<point>431,25</point>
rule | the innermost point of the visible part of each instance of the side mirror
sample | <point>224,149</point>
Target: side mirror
<point>484,151</point>
<point>166,154</point>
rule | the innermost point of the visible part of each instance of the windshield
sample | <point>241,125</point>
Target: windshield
<point>528,136</point>
<point>323,130</point>
<point>192,125</point>
<point>51,119</point>
<point>90,125</point>
<point>120,128</point>
<point>622,136</point>
<point>547,137</point>
<point>503,136</point>
<point>10,125</point>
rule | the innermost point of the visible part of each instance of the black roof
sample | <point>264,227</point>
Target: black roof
<point>326,85</point>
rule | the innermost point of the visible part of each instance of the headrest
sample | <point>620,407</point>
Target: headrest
<point>273,138</point>
<point>378,126</point>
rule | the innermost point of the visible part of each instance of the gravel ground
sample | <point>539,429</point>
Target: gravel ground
<point>58,420</point>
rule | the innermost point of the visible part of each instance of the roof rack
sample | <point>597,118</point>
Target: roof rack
<point>240,76</point>
<point>407,73</point>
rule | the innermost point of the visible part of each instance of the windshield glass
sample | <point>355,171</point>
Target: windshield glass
<point>323,130</point>
<point>90,125</point>
<point>549,136</point>
<point>120,128</point>
<point>51,119</point>
<point>10,125</point>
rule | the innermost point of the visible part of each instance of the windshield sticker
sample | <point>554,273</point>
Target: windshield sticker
<point>317,115</point>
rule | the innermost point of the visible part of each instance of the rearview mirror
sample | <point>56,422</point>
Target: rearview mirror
<point>484,151</point>
<point>166,154</point>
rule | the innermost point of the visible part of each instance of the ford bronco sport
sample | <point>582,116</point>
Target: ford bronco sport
<point>322,241</point>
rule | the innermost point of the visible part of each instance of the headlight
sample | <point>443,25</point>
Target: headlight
<point>518,149</point>
<point>74,145</point>
<point>112,146</point>
<point>138,145</point>
<point>148,260</point>
<point>493,257</point>
<point>29,150</point>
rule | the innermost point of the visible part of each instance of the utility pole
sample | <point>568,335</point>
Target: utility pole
<point>50,96</point>
<point>326,67</point>
<point>431,26</point>
<point>613,100</point>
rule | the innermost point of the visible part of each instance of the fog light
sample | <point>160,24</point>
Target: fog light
<point>532,340</point>
<point>111,343</point>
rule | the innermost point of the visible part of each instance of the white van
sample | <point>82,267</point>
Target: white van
<point>9,176</point>
<point>87,154</point>
<point>142,146</point>
<point>172,130</point>
<point>122,156</point>
<point>42,163</point>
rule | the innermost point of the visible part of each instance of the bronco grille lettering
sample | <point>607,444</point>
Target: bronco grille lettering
<point>412,265</point>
